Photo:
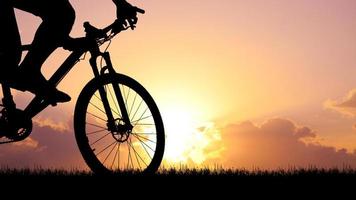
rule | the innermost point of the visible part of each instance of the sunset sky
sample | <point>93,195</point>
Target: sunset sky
<point>258,83</point>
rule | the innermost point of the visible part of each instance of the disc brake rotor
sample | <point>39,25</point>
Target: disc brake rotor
<point>122,132</point>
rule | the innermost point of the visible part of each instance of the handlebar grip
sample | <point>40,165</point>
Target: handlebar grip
<point>139,10</point>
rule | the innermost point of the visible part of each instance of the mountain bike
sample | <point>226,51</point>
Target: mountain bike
<point>117,124</point>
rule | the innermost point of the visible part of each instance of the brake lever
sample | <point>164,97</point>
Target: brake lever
<point>139,10</point>
<point>131,26</point>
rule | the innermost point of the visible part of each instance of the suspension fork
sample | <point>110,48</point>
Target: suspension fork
<point>117,91</point>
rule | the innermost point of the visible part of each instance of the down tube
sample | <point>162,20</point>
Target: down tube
<point>37,105</point>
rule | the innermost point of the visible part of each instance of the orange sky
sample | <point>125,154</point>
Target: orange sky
<point>220,64</point>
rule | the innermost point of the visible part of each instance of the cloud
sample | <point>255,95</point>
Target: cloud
<point>347,106</point>
<point>305,132</point>
<point>48,122</point>
<point>278,143</point>
<point>30,143</point>
<point>274,144</point>
<point>48,147</point>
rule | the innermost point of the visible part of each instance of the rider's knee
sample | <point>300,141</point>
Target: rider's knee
<point>61,18</point>
<point>67,17</point>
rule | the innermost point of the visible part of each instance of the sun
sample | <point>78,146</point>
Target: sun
<point>188,138</point>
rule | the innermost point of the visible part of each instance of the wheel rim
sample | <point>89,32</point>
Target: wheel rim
<point>131,149</point>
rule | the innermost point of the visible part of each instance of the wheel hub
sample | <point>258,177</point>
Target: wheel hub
<point>121,132</point>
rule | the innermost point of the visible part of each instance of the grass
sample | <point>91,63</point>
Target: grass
<point>8,172</point>
<point>187,172</point>
<point>259,173</point>
<point>188,180</point>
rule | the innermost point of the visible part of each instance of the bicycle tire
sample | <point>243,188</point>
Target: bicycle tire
<point>84,142</point>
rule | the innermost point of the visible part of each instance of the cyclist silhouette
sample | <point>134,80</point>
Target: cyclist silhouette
<point>57,20</point>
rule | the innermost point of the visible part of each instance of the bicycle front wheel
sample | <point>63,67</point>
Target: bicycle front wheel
<point>140,150</point>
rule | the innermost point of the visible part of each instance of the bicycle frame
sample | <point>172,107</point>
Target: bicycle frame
<point>37,105</point>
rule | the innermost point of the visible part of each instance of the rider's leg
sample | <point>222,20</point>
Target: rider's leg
<point>58,19</point>
<point>10,52</point>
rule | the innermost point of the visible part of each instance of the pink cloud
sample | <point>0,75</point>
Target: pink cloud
<point>346,106</point>
<point>278,143</point>
<point>274,144</point>
<point>48,122</point>
<point>48,147</point>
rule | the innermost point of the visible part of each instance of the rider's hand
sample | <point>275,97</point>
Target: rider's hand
<point>126,15</point>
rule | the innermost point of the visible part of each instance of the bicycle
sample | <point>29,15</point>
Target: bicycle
<point>117,124</point>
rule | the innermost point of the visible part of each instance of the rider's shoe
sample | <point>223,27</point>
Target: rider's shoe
<point>38,85</point>
<point>56,96</point>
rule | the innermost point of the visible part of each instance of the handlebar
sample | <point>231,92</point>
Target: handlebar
<point>99,36</point>
<point>95,33</point>
<point>115,28</point>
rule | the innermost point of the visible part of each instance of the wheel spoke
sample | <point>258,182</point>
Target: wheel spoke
<point>141,118</point>
<point>100,139</point>
<point>101,110</point>
<point>138,137</point>
<point>134,101</point>
<point>113,161</point>
<point>96,126</point>
<point>127,98</point>
<point>97,117</point>
<point>139,106</point>
<point>94,132</point>
<point>143,145</point>
<point>137,155</point>
<point>145,124</point>
<point>138,162</point>
<point>129,158</point>
<point>95,95</point>
<point>110,151</point>
<point>145,133</point>
<point>105,149</point>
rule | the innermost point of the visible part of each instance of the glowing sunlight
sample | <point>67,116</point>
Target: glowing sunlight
<point>187,138</point>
